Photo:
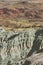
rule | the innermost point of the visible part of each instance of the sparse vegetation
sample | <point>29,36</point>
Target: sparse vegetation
<point>23,16</point>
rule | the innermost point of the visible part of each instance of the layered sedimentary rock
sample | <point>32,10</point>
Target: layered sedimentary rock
<point>15,15</point>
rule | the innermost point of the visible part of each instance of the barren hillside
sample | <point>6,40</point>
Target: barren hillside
<point>15,15</point>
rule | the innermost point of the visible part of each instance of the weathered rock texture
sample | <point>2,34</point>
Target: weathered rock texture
<point>15,47</point>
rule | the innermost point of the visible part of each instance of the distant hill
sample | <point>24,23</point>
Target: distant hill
<point>22,9</point>
<point>21,14</point>
<point>22,0</point>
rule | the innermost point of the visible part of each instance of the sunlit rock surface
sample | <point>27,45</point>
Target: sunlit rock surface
<point>15,46</point>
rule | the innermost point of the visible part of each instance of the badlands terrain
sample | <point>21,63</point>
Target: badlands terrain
<point>21,47</point>
<point>21,15</point>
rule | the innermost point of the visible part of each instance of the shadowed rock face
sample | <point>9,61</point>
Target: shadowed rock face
<point>14,46</point>
<point>27,62</point>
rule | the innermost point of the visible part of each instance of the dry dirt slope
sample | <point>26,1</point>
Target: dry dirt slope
<point>15,15</point>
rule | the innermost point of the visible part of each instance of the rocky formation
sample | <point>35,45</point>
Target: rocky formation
<point>15,47</point>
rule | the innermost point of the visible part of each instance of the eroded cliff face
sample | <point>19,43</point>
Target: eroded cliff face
<point>15,47</point>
